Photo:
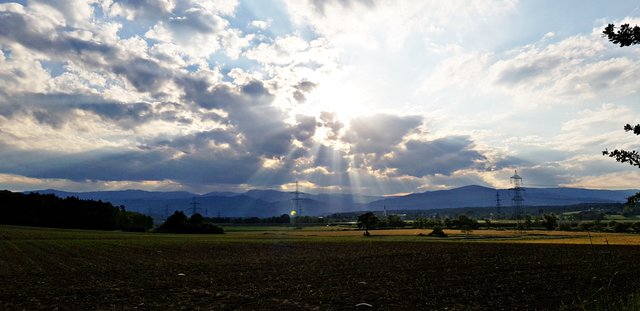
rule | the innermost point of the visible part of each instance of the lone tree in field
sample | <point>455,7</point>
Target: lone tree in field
<point>366,221</point>
<point>625,36</point>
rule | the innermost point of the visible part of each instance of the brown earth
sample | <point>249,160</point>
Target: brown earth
<point>179,273</point>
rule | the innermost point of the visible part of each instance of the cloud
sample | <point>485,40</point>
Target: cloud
<point>282,51</point>
<point>576,68</point>
<point>330,121</point>
<point>200,31</point>
<point>332,160</point>
<point>441,156</point>
<point>206,164</point>
<point>144,74</point>
<point>250,112</point>
<point>74,11</point>
<point>132,9</point>
<point>203,94</point>
<point>302,88</point>
<point>57,109</point>
<point>305,128</point>
<point>382,24</point>
<point>379,133</point>
<point>258,24</point>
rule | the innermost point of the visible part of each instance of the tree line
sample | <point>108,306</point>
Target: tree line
<point>180,223</point>
<point>282,219</point>
<point>48,210</point>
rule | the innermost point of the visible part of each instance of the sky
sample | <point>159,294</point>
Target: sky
<point>362,96</point>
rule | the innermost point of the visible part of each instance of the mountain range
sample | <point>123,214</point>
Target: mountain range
<point>267,203</point>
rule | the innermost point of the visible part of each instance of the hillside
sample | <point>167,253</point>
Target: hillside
<point>478,196</point>
<point>267,203</point>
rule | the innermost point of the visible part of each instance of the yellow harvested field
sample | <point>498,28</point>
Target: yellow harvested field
<point>506,236</point>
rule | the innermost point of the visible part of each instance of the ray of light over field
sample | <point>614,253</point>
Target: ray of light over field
<point>368,96</point>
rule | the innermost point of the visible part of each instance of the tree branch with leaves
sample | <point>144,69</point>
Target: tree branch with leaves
<point>624,156</point>
<point>625,35</point>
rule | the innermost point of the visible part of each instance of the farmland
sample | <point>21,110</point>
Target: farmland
<point>314,268</point>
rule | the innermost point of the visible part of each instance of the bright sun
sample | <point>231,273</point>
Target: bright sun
<point>338,96</point>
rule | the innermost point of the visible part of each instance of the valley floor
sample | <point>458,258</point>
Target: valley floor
<point>307,269</point>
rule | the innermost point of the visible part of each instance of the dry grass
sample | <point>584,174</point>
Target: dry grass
<point>505,236</point>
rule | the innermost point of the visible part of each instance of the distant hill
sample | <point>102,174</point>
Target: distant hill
<point>253,203</point>
<point>121,195</point>
<point>478,196</point>
<point>267,203</point>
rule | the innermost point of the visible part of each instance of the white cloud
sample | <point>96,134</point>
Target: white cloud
<point>258,24</point>
<point>223,7</point>
<point>389,24</point>
<point>373,95</point>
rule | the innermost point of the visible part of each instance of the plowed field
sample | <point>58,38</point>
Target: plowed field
<point>72,270</point>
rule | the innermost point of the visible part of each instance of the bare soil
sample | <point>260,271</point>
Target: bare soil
<point>173,273</point>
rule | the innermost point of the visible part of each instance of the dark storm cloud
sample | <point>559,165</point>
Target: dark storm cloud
<point>380,133</point>
<point>18,28</point>
<point>250,113</point>
<point>255,89</point>
<point>198,140</point>
<point>56,109</point>
<point>145,75</point>
<point>440,156</point>
<point>305,128</point>
<point>145,8</point>
<point>205,165</point>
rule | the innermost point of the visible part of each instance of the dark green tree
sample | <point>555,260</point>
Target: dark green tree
<point>438,232</point>
<point>395,221</point>
<point>465,221</point>
<point>196,219</point>
<point>175,223</point>
<point>48,210</point>
<point>550,221</point>
<point>367,221</point>
<point>179,223</point>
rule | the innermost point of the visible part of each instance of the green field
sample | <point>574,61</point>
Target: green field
<point>287,268</point>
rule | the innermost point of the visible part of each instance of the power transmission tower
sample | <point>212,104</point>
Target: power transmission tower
<point>297,201</point>
<point>517,199</point>
<point>498,205</point>
<point>194,207</point>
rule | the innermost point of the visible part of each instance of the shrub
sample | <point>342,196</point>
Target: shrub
<point>438,232</point>
<point>179,223</point>
<point>621,227</point>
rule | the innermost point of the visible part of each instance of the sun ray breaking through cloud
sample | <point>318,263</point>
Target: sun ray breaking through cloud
<point>374,97</point>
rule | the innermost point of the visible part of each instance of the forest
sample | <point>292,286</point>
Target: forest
<point>48,210</point>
